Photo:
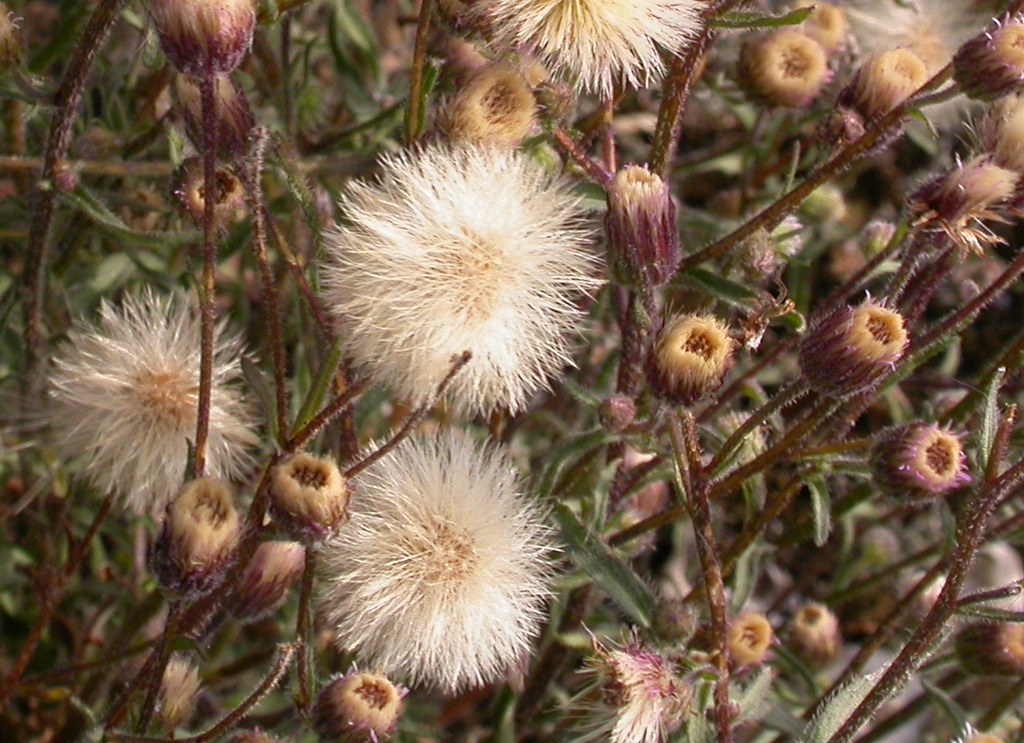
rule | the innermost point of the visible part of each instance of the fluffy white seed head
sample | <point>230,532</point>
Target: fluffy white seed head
<point>454,249</point>
<point>599,42</point>
<point>440,576</point>
<point>124,394</point>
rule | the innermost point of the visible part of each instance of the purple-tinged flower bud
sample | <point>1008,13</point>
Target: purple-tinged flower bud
<point>814,632</point>
<point>494,106</point>
<point>690,359</point>
<point>178,688</point>
<point>10,41</point>
<point>956,201</point>
<point>197,542</point>
<point>617,413</point>
<point>358,708</point>
<point>851,348</point>
<point>308,497</point>
<point>274,567</point>
<point>190,190</point>
<point>783,68</point>
<point>748,639</point>
<point>883,82</point>
<point>992,63</point>
<point>643,240</point>
<point>991,648</point>
<point>675,620</point>
<point>919,461</point>
<point>204,36</point>
<point>234,117</point>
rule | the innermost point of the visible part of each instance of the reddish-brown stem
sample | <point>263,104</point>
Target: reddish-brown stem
<point>207,294</point>
<point>592,168</point>
<point>254,173</point>
<point>44,199</point>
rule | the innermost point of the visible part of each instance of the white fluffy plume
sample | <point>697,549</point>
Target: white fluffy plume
<point>439,579</point>
<point>454,249</point>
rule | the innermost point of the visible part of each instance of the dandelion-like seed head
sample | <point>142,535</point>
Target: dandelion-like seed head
<point>454,249</point>
<point>440,575</point>
<point>123,397</point>
<point>599,42</point>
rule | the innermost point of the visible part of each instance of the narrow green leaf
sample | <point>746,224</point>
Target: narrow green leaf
<point>718,286</point>
<point>110,222</point>
<point>258,383</point>
<point>821,508</point>
<point>605,568</point>
<point>991,613</point>
<point>318,390</point>
<point>570,451</point>
<point>989,418</point>
<point>759,20</point>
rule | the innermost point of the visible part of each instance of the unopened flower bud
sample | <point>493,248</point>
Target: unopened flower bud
<point>643,240</point>
<point>197,542</point>
<point>991,648</point>
<point>617,413</point>
<point>234,117</point>
<point>919,461</point>
<point>255,736</point>
<point>358,708</point>
<point>748,639</point>
<point>876,236</point>
<point>273,568</point>
<point>992,63</point>
<point>10,42</point>
<point>826,24</point>
<point>190,190</point>
<point>783,67</point>
<point>494,106</point>
<point>690,358</point>
<point>1001,133</point>
<point>178,689</point>
<point>851,348</point>
<point>308,497</point>
<point>674,620</point>
<point>814,631</point>
<point>204,36</point>
<point>983,738</point>
<point>884,82</point>
<point>969,192</point>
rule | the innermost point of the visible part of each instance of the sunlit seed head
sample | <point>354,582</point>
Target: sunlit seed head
<point>309,497</point>
<point>358,707</point>
<point>690,358</point>
<point>495,105</point>
<point>748,639</point>
<point>783,68</point>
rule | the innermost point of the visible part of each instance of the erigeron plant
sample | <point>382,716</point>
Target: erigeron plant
<point>558,370</point>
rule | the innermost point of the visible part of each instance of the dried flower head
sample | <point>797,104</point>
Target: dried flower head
<point>851,348</point>
<point>644,701</point>
<point>358,707</point>
<point>123,399</point>
<point>190,190</point>
<point>643,239</point>
<point>748,639</point>
<point>1001,133</point>
<point>260,588</point>
<point>235,120</point>
<point>440,576</point>
<point>883,82</point>
<point>204,36</point>
<point>495,105</point>
<point>919,461</point>
<point>178,690</point>
<point>957,202</point>
<point>454,249</point>
<point>992,63</point>
<point>814,632</point>
<point>690,358</point>
<point>991,648</point>
<point>783,68</point>
<point>197,542</point>
<point>308,497</point>
<point>600,42</point>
